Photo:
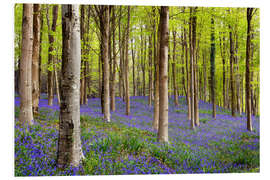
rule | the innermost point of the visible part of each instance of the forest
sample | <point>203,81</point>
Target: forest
<point>117,90</point>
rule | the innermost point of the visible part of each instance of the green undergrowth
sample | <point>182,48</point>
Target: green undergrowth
<point>121,147</point>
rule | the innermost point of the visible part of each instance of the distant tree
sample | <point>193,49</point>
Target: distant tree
<point>113,62</point>
<point>69,142</point>
<point>35,58</point>
<point>163,75</point>
<point>232,70</point>
<point>212,60</point>
<point>104,21</point>
<point>174,70</point>
<point>51,30</point>
<point>250,13</point>
<point>191,50</point>
<point>126,67</point>
<point>25,81</point>
<point>156,82</point>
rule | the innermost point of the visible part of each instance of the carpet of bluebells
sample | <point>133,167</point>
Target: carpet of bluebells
<point>128,145</point>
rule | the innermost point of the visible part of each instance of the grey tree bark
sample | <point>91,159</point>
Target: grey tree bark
<point>25,81</point>
<point>69,142</point>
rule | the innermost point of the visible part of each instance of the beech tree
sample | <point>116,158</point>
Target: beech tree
<point>163,77</point>
<point>51,30</point>
<point>250,12</point>
<point>25,83</point>
<point>69,143</point>
<point>212,59</point>
<point>35,58</point>
<point>126,68</point>
<point>104,21</point>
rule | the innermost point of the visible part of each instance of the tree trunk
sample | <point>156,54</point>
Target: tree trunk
<point>69,142</point>
<point>133,68</point>
<point>212,60</point>
<point>26,113</point>
<point>50,56</point>
<point>232,73</point>
<point>191,48</point>
<point>188,75</point>
<point>174,71</point>
<point>150,71</point>
<point>195,69</point>
<point>248,100</point>
<point>126,67</point>
<point>35,58</point>
<point>83,59</point>
<point>222,52</point>
<point>104,29</point>
<point>40,50</point>
<point>163,78</point>
<point>112,103</point>
<point>156,98</point>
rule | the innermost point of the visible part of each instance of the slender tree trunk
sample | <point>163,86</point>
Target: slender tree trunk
<point>237,82</point>
<point>205,77</point>
<point>232,73</point>
<point>69,141</point>
<point>143,68</point>
<point>191,48</point>
<point>156,99</point>
<point>194,52</point>
<point>174,70</point>
<point>83,59</point>
<point>248,100</point>
<point>133,68</point>
<point>163,78</point>
<point>150,71</point>
<point>40,50</point>
<point>126,67</point>
<point>25,84</point>
<point>112,103</point>
<point>50,56</point>
<point>104,29</point>
<point>212,59</point>
<point>222,52</point>
<point>188,75</point>
<point>35,58</point>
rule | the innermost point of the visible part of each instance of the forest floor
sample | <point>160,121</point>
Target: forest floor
<point>128,145</point>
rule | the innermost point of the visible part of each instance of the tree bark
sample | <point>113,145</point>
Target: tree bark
<point>174,71</point>
<point>195,68</point>
<point>191,49</point>
<point>83,59</point>
<point>112,103</point>
<point>212,59</point>
<point>187,75</point>
<point>156,98</point>
<point>104,29</point>
<point>69,141</point>
<point>126,67</point>
<point>163,78</point>
<point>232,72</point>
<point>150,71</point>
<point>26,113</point>
<point>35,58</point>
<point>50,56</point>
<point>133,68</point>
<point>248,100</point>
